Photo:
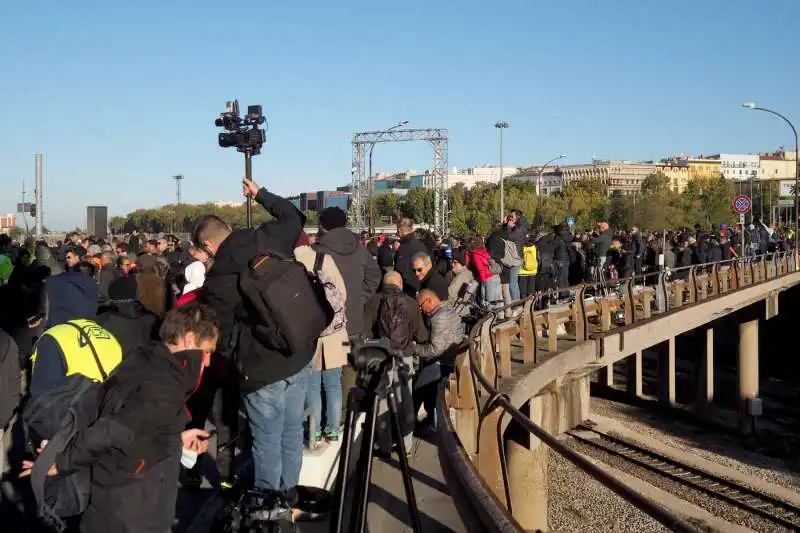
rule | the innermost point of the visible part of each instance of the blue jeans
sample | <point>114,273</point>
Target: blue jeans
<point>331,381</point>
<point>275,413</point>
<point>513,282</point>
<point>491,293</point>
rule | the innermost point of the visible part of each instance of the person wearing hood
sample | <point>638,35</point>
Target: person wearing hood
<point>360,271</point>
<point>126,317</point>
<point>134,447</point>
<point>195,275</point>
<point>71,295</point>
<point>273,382</point>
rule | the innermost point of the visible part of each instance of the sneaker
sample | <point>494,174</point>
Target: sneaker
<point>332,436</point>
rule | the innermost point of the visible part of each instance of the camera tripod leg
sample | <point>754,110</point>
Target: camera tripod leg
<point>353,407</point>
<point>405,469</point>
<point>365,465</point>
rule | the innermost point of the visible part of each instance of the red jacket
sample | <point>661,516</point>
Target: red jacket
<point>480,258</point>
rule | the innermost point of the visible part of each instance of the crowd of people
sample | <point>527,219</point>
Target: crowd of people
<point>122,361</point>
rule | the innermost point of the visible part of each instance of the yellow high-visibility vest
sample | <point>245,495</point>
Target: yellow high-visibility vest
<point>77,351</point>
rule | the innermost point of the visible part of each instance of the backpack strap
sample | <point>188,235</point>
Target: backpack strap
<point>318,262</point>
<point>86,336</point>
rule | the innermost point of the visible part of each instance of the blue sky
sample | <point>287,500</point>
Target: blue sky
<point>119,96</point>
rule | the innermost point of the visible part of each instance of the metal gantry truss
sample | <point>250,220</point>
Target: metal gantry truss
<point>436,179</point>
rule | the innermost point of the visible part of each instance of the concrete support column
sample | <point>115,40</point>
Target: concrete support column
<point>633,374</point>
<point>605,376</point>
<point>748,372</point>
<point>666,372</point>
<point>560,407</point>
<point>705,374</point>
<point>527,479</point>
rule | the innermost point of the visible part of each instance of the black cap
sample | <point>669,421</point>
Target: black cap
<point>332,218</point>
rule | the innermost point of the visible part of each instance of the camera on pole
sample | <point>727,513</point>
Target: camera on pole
<point>244,134</point>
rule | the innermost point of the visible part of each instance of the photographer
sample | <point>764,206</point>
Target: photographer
<point>273,382</point>
<point>437,357</point>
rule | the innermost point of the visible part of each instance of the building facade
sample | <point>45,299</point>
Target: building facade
<point>677,170</point>
<point>550,182</point>
<point>483,174</point>
<point>777,165</point>
<point>7,221</point>
<point>618,177</point>
<point>317,201</point>
<point>740,167</point>
<point>703,168</point>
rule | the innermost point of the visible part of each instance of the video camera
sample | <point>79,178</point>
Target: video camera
<point>242,133</point>
<point>370,356</point>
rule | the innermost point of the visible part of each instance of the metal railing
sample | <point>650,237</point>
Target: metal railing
<point>476,411</point>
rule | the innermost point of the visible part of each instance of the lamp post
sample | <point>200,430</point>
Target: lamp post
<point>753,105</point>
<point>370,221</point>
<point>541,171</point>
<point>502,125</point>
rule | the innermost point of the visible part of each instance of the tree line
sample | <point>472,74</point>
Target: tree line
<point>705,202</point>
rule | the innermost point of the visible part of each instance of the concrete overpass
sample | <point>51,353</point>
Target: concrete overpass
<point>518,384</point>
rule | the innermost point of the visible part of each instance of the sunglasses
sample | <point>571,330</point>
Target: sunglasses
<point>419,270</point>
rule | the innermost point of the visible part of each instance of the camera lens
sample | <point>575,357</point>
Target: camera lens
<point>226,140</point>
<point>218,122</point>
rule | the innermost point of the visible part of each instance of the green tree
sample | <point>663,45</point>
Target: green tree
<point>17,233</point>
<point>657,182</point>
<point>418,204</point>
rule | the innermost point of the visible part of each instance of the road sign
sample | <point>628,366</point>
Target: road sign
<point>741,219</point>
<point>742,204</point>
<point>570,221</point>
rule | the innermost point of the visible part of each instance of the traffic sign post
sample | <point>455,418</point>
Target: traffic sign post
<point>570,221</point>
<point>742,205</point>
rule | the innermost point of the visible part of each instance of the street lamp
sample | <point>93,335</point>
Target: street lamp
<point>369,194</point>
<point>541,171</point>
<point>753,105</point>
<point>502,125</point>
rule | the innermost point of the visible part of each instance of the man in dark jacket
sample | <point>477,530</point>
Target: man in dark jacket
<point>133,448</point>
<point>10,383</point>
<point>273,382</point>
<point>602,242</point>
<point>562,255</point>
<point>392,314</point>
<point>429,277</point>
<point>409,247</point>
<point>126,318</point>
<point>638,250</point>
<point>358,268</point>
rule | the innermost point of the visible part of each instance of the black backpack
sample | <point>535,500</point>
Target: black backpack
<point>394,321</point>
<point>287,307</point>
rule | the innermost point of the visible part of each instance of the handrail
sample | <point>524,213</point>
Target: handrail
<point>735,262</point>
<point>744,273</point>
<point>660,514</point>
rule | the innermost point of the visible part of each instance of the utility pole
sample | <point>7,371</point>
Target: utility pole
<point>39,218</point>
<point>502,125</point>
<point>178,179</point>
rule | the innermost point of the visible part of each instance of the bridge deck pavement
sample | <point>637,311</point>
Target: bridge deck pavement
<point>387,511</point>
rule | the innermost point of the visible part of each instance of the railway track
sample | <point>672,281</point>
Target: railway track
<point>752,501</point>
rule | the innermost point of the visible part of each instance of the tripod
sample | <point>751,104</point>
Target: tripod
<point>597,275</point>
<point>366,397</point>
